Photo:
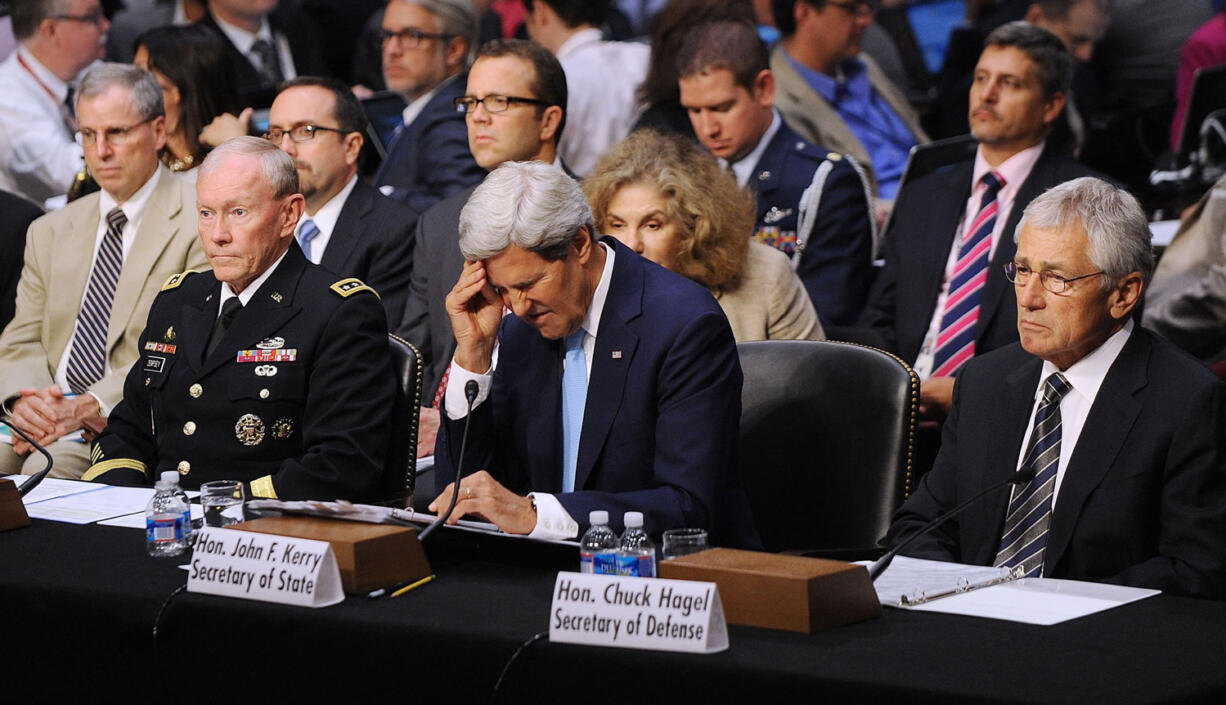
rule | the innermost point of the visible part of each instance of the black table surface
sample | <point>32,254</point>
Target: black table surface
<point>87,615</point>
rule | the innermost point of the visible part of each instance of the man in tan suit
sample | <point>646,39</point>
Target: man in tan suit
<point>90,274</point>
<point>833,95</point>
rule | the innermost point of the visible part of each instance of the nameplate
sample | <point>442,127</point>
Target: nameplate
<point>264,567</point>
<point>637,613</point>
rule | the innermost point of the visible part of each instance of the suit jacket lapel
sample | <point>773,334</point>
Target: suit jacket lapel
<point>349,229</point>
<point>945,214</point>
<point>820,112</point>
<point>1000,455</point>
<point>616,343</point>
<point>263,315</point>
<point>70,275</point>
<point>1111,418</point>
<point>159,226</point>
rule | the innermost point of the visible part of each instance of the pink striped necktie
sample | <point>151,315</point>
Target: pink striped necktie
<point>956,341</point>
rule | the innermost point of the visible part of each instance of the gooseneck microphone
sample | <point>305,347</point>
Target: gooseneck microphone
<point>31,483</point>
<point>1021,477</point>
<point>471,390</point>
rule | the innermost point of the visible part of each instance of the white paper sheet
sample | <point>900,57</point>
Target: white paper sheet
<point>51,488</point>
<point>100,503</point>
<point>136,520</point>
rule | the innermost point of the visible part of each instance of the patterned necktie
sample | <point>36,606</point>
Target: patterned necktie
<point>574,398</point>
<point>229,310</point>
<point>266,54</point>
<point>1025,536</point>
<point>307,233</point>
<point>956,340</point>
<point>87,361</point>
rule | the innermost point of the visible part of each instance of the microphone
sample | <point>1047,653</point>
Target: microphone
<point>1021,477</point>
<point>471,390</point>
<point>37,477</point>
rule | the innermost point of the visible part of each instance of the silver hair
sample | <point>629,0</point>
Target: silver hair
<point>27,15</point>
<point>1113,219</point>
<point>279,169</point>
<point>455,17</point>
<point>146,93</point>
<point>532,205</point>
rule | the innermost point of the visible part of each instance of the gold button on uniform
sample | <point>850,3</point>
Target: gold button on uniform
<point>184,467</point>
<point>195,390</point>
<point>263,393</point>
<point>189,428</point>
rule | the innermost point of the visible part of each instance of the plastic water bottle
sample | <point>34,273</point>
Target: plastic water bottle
<point>168,519</point>
<point>637,555</point>
<point>598,547</point>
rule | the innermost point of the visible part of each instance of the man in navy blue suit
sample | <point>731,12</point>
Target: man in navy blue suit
<point>812,203</point>
<point>427,46</point>
<point>615,385</point>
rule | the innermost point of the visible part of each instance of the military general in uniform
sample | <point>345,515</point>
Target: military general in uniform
<point>267,369</point>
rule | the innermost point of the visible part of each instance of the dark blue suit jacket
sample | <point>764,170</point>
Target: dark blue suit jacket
<point>837,256</point>
<point>428,159</point>
<point>1143,499</point>
<point>660,428</point>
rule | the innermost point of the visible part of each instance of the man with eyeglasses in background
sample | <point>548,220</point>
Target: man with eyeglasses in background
<point>514,108</point>
<point>1124,433</point>
<point>92,270</point>
<point>57,40</point>
<point>834,95</point>
<point>427,47</point>
<point>348,227</point>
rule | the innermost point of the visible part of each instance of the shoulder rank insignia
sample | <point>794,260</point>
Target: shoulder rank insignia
<point>176,279</point>
<point>349,287</point>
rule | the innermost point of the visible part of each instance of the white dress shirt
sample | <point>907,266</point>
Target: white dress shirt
<point>244,40</point>
<point>1015,169</point>
<point>1086,377</point>
<point>39,155</point>
<point>325,219</point>
<point>552,520</point>
<point>133,210</point>
<point>601,107</point>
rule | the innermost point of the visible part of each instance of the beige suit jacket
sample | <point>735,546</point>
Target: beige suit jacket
<point>767,301</point>
<point>815,119</point>
<point>58,259</point>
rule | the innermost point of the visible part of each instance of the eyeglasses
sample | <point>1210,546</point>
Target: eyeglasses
<point>410,37</point>
<point>119,136</point>
<point>95,18</point>
<point>856,9</point>
<point>493,103</point>
<point>300,133</point>
<point>1019,274</point>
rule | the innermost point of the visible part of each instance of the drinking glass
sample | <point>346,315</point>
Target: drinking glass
<point>223,502</point>
<point>682,542</point>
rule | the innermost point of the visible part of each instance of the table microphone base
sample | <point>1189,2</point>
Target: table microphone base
<point>12,510</point>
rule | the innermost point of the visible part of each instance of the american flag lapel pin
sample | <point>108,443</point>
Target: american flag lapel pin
<point>617,354</point>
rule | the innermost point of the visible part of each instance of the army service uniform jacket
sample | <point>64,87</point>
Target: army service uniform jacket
<point>294,400</point>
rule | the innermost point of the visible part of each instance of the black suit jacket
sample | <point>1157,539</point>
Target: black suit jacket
<point>1143,499</point>
<point>904,296</point>
<point>303,46</point>
<point>16,214</point>
<point>437,266</point>
<point>373,241</point>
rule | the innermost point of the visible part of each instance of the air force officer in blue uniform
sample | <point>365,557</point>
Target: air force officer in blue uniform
<point>614,385</point>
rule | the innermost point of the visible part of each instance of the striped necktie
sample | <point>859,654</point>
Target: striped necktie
<point>87,362</point>
<point>574,399</point>
<point>956,340</point>
<point>1025,536</point>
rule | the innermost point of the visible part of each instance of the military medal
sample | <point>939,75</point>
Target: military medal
<point>266,371</point>
<point>288,355</point>
<point>282,429</point>
<point>160,347</point>
<point>271,343</point>
<point>169,337</point>
<point>249,430</point>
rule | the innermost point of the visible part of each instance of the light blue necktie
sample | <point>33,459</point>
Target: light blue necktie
<point>574,398</point>
<point>306,234</point>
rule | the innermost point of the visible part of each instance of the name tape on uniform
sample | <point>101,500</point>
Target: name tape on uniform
<point>264,567</point>
<point>637,613</point>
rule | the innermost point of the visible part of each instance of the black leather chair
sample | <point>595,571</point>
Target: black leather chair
<point>400,467</point>
<point>827,433</point>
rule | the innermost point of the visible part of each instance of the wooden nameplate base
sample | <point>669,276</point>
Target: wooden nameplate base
<point>775,591</point>
<point>12,509</point>
<point>369,556</point>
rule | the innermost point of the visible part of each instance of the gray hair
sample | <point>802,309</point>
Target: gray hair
<point>279,169</point>
<point>532,205</point>
<point>1112,218</point>
<point>27,15</point>
<point>458,18</point>
<point>146,93</point>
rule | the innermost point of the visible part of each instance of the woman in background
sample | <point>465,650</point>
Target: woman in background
<point>669,200</point>
<point>198,84</point>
